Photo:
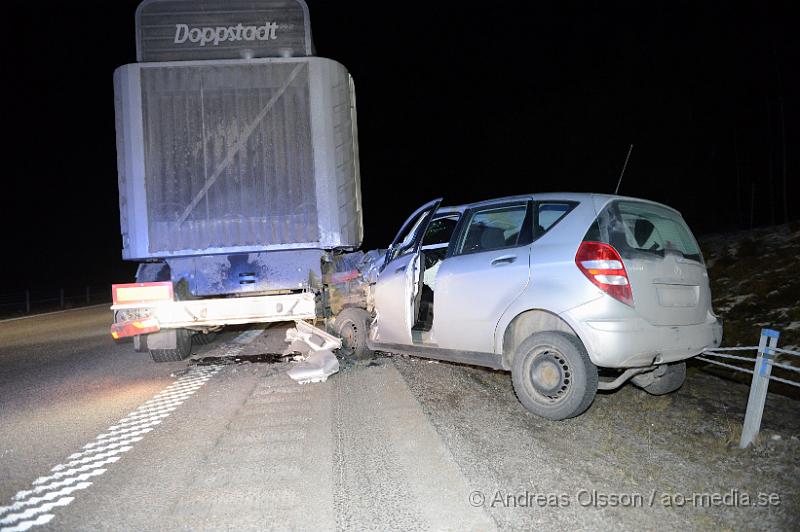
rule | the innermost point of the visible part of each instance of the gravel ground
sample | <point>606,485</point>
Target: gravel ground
<point>628,444</point>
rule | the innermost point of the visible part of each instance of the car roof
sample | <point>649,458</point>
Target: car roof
<point>545,196</point>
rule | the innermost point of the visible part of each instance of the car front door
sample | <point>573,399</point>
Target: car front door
<point>488,267</point>
<point>399,282</point>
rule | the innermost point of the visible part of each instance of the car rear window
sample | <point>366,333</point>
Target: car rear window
<point>634,228</point>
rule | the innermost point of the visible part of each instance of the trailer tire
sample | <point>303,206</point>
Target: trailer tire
<point>352,326</point>
<point>182,350</point>
<point>200,338</point>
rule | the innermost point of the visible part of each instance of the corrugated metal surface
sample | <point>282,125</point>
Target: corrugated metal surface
<point>123,143</point>
<point>236,157</point>
<point>175,30</point>
<point>347,165</point>
<point>228,156</point>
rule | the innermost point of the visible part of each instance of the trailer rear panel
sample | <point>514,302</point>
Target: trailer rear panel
<point>237,156</point>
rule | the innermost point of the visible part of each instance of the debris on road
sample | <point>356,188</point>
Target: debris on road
<point>320,363</point>
<point>316,368</point>
<point>258,358</point>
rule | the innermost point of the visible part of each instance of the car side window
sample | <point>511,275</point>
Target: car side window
<point>440,231</point>
<point>407,241</point>
<point>549,213</point>
<point>493,227</point>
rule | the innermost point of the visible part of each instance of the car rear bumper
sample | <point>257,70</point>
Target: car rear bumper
<point>634,342</point>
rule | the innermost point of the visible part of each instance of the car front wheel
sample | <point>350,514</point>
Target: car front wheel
<point>553,376</point>
<point>352,325</point>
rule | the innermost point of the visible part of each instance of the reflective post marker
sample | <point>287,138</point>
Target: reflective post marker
<point>758,388</point>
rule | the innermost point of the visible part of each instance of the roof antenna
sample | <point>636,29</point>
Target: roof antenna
<point>624,166</point>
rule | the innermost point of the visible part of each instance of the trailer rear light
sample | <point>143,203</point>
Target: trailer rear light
<point>603,266</point>
<point>126,294</point>
<point>135,327</point>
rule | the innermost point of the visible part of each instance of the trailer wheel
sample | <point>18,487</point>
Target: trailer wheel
<point>204,338</point>
<point>352,325</point>
<point>182,350</point>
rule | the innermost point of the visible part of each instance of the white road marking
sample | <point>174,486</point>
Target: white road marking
<point>120,439</point>
<point>31,507</point>
<point>25,525</point>
<point>73,471</point>
<point>104,448</point>
<point>30,512</point>
<point>88,459</point>
<point>42,489</point>
<point>48,497</point>
<point>53,491</point>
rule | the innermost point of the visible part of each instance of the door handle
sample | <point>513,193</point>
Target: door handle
<point>505,259</point>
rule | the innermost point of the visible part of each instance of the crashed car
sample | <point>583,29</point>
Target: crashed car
<point>569,292</point>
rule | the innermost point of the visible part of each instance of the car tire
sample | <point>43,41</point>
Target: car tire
<point>669,382</point>
<point>553,376</point>
<point>182,350</point>
<point>352,326</point>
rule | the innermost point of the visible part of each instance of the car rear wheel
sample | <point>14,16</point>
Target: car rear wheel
<point>352,325</point>
<point>183,348</point>
<point>553,376</point>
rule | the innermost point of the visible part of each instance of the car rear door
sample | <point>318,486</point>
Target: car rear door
<point>486,269</point>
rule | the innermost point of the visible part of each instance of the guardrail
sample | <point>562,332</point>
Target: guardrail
<point>28,301</point>
<point>767,352</point>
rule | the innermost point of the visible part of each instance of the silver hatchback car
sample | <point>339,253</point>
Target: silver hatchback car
<point>570,292</point>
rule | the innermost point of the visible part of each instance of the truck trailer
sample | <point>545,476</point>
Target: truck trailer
<point>238,172</point>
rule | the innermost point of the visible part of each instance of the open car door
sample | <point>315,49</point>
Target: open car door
<point>398,290</point>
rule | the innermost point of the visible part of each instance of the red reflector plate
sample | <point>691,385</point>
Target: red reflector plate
<point>141,292</point>
<point>132,328</point>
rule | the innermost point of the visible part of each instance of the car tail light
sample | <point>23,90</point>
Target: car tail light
<point>126,294</point>
<point>603,266</point>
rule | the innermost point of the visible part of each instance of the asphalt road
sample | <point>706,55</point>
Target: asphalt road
<point>63,380</point>
<point>94,436</point>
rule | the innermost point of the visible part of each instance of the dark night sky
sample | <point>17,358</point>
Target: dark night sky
<point>453,101</point>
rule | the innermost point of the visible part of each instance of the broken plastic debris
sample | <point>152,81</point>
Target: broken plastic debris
<point>297,347</point>
<point>316,338</point>
<point>321,363</point>
<point>316,368</point>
